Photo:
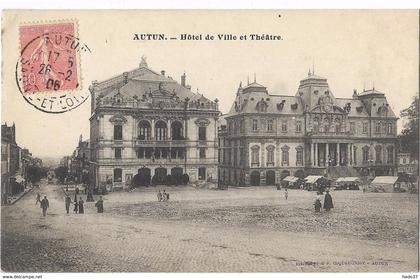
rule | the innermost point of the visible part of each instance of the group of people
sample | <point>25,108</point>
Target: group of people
<point>79,207</point>
<point>162,196</point>
<point>328,203</point>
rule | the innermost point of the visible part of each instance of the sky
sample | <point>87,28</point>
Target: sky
<point>352,49</point>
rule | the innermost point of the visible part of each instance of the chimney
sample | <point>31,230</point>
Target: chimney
<point>162,72</point>
<point>183,80</point>
<point>355,94</point>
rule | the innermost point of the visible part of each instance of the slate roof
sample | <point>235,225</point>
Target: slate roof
<point>354,104</point>
<point>144,80</point>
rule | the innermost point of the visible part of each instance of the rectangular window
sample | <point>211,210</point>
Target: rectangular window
<point>298,126</point>
<point>378,128</point>
<point>285,157</point>
<point>117,153</point>
<point>254,125</point>
<point>202,133</point>
<point>270,125</point>
<point>118,132</point>
<point>284,126</point>
<point>352,128</point>
<point>117,175</point>
<point>299,157</point>
<point>365,128</point>
<point>389,129</point>
<point>202,153</point>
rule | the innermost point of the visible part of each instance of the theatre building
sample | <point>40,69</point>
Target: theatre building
<point>266,137</point>
<point>145,125</point>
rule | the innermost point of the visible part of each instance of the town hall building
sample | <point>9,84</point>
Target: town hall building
<point>266,137</point>
<point>145,125</point>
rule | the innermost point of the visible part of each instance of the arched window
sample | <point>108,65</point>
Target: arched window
<point>270,155</point>
<point>316,125</point>
<point>378,154</point>
<point>144,130</point>
<point>160,130</point>
<point>285,155</point>
<point>390,155</point>
<point>365,157</point>
<point>255,156</point>
<point>176,130</point>
<point>337,125</point>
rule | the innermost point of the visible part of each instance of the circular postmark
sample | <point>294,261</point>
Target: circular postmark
<point>47,71</point>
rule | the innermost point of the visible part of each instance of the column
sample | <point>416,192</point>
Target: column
<point>338,155</point>
<point>186,128</point>
<point>312,154</point>
<point>348,157</point>
<point>327,154</point>
<point>316,155</point>
<point>153,129</point>
<point>169,129</point>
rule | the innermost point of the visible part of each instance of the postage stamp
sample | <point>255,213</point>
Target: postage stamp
<point>48,69</point>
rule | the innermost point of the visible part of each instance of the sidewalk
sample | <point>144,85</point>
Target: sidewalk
<point>13,199</point>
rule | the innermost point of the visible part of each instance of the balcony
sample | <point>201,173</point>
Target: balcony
<point>161,143</point>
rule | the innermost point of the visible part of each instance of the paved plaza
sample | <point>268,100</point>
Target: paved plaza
<point>200,230</point>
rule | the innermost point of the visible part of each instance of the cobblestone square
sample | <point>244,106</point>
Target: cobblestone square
<point>237,230</point>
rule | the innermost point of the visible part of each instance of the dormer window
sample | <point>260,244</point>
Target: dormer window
<point>294,106</point>
<point>315,92</point>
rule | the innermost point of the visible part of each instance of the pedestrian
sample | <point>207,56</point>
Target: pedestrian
<point>317,203</point>
<point>77,190</point>
<point>68,202</point>
<point>67,187</point>
<point>167,196</point>
<point>81,207</point>
<point>328,203</point>
<point>100,205</point>
<point>286,194</point>
<point>76,207</point>
<point>159,196</point>
<point>44,205</point>
<point>38,198</point>
<point>164,195</point>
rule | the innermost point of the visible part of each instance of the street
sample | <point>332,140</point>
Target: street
<point>238,230</point>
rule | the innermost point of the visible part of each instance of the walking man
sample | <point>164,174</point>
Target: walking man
<point>328,203</point>
<point>38,198</point>
<point>286,194</point>
<point>44,205</point>
<point>159,196</point>
<point>68,202</point>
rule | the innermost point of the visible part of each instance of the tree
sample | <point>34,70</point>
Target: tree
<point>409,138</point>
<point>61,173</point>
<point>35,173</point>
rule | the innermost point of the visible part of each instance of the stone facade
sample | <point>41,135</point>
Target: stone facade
<point>146,123</point>
<point>266,137</point>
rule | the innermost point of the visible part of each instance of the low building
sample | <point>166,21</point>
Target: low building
<point>407,165</point>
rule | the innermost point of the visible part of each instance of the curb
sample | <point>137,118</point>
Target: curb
<point>12,203</point>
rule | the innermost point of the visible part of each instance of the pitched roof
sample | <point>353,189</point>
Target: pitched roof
<point>143,80</point>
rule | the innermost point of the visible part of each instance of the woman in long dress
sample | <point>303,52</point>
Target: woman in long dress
<point>100,205</point>
<point>81,207</point>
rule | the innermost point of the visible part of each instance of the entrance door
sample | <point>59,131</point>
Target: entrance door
<point>270,178</point>
<point>255,178</point>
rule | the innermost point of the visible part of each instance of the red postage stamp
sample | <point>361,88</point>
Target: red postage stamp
<point>48,67</point>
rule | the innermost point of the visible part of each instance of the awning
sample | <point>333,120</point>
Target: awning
<point>290,179</point>
<point>19,178</point>
<point>312,178</point>
<point>385,180</point>
<point>348,179</point>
